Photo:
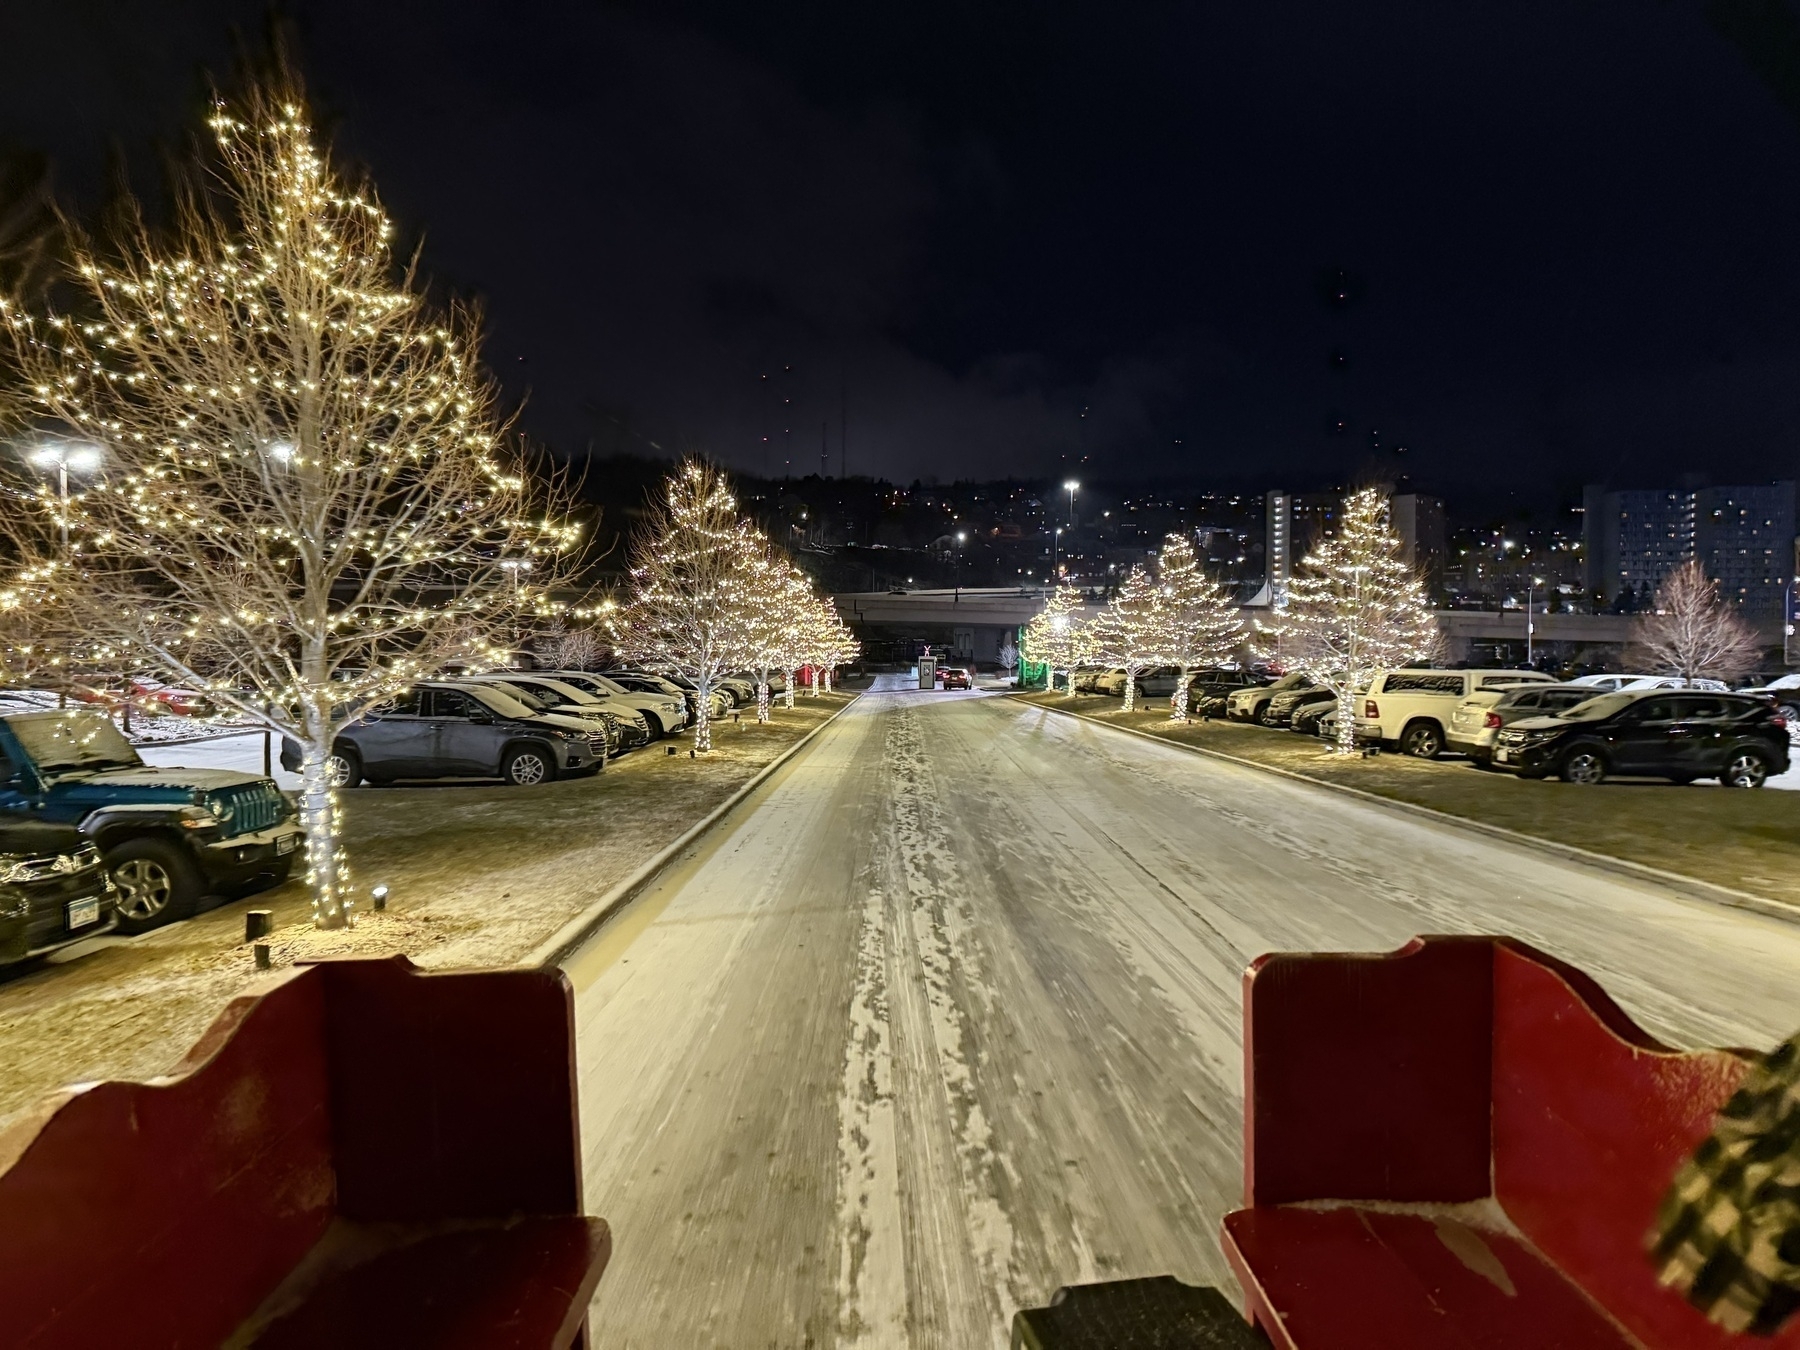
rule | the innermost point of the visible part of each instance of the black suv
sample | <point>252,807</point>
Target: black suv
<point>1676,734</point>
<point>459,731</point>
<point>53,889</point>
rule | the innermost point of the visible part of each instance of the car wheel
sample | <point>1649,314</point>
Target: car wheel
<point>343,767</point>
<point>1422,740</point>
<point>1747,769</point>
<point>528,766</point>
<point>1584,766</point>
<point>157,881</point>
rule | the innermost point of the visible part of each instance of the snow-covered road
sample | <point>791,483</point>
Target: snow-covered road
<point>951,1016</point>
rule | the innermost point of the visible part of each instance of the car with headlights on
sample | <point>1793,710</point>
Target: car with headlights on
<point>54,889</point>
<point>1680,735</point>
<point>168,836</point>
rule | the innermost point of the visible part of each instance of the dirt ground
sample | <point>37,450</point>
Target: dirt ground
<point>478,875</point>
<point>1749,841</point>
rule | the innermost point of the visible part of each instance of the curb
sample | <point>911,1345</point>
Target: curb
<point>1705,890</point>
<point>579,929</point>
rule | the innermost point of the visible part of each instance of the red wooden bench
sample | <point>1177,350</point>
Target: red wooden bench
<point>362,1155</point>
<point>1462,1144</point>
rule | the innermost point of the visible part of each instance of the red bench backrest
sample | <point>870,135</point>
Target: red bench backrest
<point>162,1213</point>
<point>1366,1076</point>
<point>1592,1117</point>
<point>110,1206</point>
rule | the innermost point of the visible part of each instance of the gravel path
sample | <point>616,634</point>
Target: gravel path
<point>952,1016</point>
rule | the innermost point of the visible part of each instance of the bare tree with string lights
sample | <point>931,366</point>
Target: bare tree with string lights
<point>1129,631</point>
<point>1356,607</point>
<point>1200,625</point>
<point>306,495</point>
<point>691,565</point>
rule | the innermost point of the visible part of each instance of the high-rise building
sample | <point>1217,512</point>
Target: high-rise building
<point>1278,550</point>
<point>1743,537</point>
<point>1419,521</point>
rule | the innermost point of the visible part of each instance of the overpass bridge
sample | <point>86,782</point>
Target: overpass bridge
<point>971,623</point>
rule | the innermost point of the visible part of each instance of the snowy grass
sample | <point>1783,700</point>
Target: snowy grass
<point>1749,841</point>
<point>479,874</point>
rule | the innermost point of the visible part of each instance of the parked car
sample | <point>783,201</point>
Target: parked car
<point>1412,709</point>
<point>446,730</point>
<point>54,889</point>
<point>1086,679</point>
<point>168,837</point>
<point>741,691</point>
<point>647,682</point>
<point>1616,682</point>
<point>1679,735</point>
<point>664,713</point>
<point>623,727</point>
<point>1327,726</point>
<point>1249,705</point>
<point>1208,690</point>
<point>1785,691</point>
<point>1158,682</point>
<point>954,677</point>
<point>1282,707</point>
<point>1111,682</point>
<point>1308,715</point>
<point>1479,717</point>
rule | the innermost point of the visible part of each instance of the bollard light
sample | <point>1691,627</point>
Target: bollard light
<point>379,895</point>
<point>258,923</point>
<point>673,750</point>
<point>262,955</point>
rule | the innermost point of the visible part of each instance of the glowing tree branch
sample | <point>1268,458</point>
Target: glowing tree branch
<point>1692,633</point>
<point>1201,626</point>
<point>1058,637</point>
<point>304,498</point>
<point>688,570</point>
<point>1356,607</point>
<point>1129,631</point>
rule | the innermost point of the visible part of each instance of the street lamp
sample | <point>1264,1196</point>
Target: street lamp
<point>1055,542</point>
<point>962,538</point>
<point>1071,487</point>
<point>80,458</point>
<point>1530,591</point>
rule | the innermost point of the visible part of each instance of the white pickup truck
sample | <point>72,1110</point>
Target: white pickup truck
<point>1411,709</point>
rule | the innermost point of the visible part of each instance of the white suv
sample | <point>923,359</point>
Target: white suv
<point>1412,709</point>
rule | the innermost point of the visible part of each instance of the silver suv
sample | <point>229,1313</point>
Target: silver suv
<point>444,730</point>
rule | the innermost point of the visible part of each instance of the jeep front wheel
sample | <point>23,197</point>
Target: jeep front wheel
<point>158,883</point>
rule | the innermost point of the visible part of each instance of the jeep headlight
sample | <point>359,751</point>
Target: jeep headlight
<point>197,818</point>
<point>14,869</point>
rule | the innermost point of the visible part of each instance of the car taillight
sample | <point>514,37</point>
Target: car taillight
<point>1778,722</point>
<point>1370,709</point>
<point>1491,720</point>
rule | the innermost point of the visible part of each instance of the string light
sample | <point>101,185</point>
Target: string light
<point>309,497</point>
<point>1200,625</point>
<point>1355,607</point>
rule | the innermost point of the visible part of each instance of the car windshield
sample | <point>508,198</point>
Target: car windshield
<point>1594,709</point>
<point>588,684</point>
<point>610,686</point>
<point>73,742</point>
<point>506,701</point>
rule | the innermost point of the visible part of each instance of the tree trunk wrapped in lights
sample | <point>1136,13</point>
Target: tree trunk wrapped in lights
<point>1201,626</point>
<point>691,562</point>
<point>305,498</point>
<point>1129,631</point>
<point>1356,607</point>
<point>1692,633</point>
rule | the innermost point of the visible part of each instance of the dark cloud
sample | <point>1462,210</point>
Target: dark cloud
<point>1024,237</point>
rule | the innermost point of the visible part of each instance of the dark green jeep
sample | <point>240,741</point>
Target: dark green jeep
<point>169,836</point>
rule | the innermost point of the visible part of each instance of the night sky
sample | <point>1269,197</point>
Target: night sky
<point>1532,243</point>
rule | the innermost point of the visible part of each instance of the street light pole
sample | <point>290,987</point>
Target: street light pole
<point>1070,487</point>
<point>1055,543</point>
<point>1531,586</point>
<point>961,538</point>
